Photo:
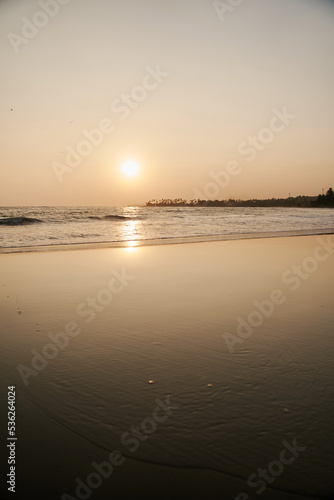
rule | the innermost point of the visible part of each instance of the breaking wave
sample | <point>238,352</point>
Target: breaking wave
<point>110,217</point>
<point>19,221</point>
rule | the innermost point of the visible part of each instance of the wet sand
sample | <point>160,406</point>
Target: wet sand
<point>199,363</point>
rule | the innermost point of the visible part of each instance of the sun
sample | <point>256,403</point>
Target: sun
<point>130,168</point>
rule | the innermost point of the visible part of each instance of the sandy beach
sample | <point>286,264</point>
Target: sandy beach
<point>171,371</point>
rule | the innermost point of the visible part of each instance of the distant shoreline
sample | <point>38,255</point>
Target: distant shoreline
<point>232,206</point>
<point>301,201</point>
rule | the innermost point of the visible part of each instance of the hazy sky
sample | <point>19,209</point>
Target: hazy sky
<point>189,89</point>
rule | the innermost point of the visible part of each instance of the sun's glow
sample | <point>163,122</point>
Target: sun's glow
<point>130,168</point>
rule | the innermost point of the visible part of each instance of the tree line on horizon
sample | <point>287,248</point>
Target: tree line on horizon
<point>323,200</point>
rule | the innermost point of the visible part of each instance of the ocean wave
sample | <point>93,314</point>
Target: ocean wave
<point>82,235</point>
<point>19,221</point>
<point>23,221</point>
<point>109,217</point>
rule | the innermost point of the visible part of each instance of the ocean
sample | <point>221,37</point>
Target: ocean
<point>47,226</point>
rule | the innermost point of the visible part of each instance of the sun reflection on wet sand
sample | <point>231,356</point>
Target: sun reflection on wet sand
<point>132,246</point>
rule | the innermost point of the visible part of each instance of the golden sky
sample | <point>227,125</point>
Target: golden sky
<point>211,98</point>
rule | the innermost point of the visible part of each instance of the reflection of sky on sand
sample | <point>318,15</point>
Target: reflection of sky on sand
<point>167,327</point>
